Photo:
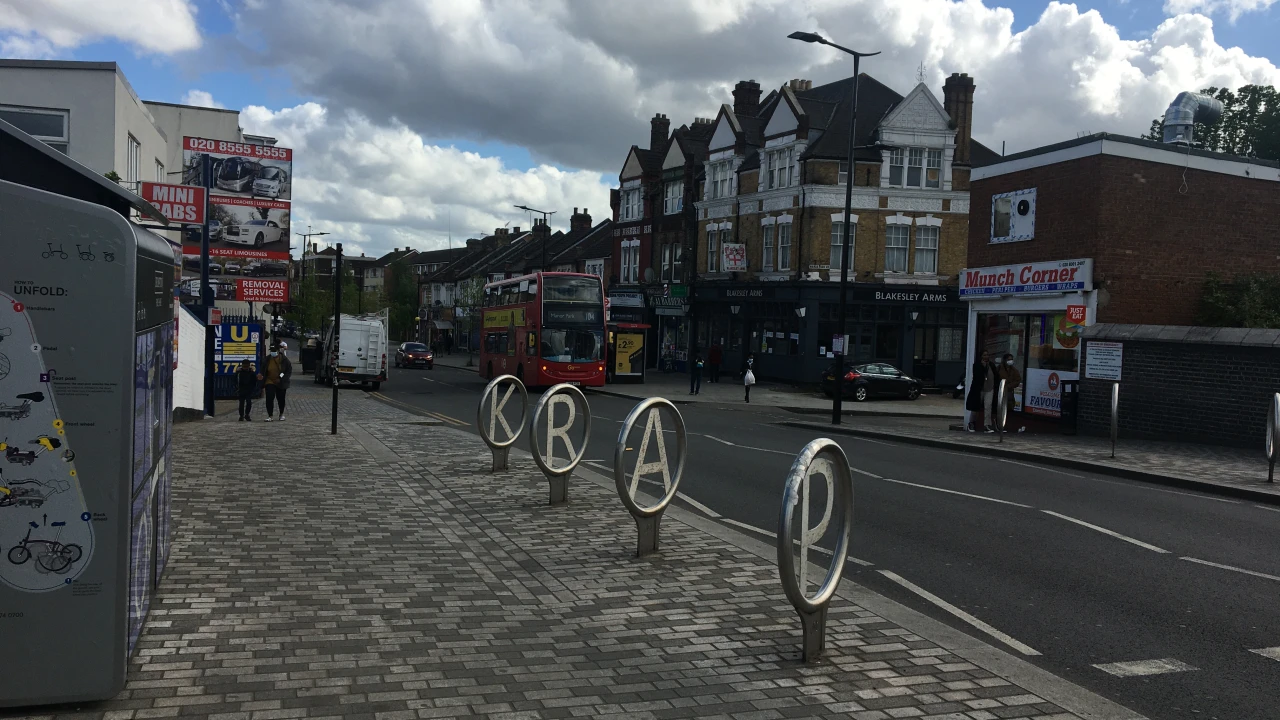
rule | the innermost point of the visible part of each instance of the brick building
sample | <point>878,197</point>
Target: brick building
<point>769,223</point>
<point>1106,229</point>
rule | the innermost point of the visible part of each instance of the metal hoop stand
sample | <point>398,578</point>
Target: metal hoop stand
<point>648,518</point>
<point>501,448</point>
<point>1273,437</point>
<point>1002,409</point>
<point>1115,416</point>
<point>813,609</point>
<point>558,478</point>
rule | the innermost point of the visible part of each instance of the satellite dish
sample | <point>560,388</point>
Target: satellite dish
<point>648,275</point>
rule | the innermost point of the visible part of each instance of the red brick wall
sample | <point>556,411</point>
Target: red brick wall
<point>1152,244</point>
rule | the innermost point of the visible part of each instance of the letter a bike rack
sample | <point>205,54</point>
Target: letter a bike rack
<point>572,398</point>
<point>648,518</point>
<point>489,430</point>
<point>824,458</point>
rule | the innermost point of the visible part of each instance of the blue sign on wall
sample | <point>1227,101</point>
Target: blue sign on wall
<point>234,342</point>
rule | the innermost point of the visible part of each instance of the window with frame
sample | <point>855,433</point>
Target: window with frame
<point>666,262</point>
<point>677,262</point>
<point>844,173</point>
<point>46,125</point>
<point>897,166</point>
<point>780,170</point>
<point>673,197</point>
<point>713,250</point>
<point>927,250</point>
<point>896,239</point>
<point>784,246</point>
<point>631,204</point>
<point>933,169</point>
<point>915,167</point>
<point>766,260</point>
<point>837,244</point>
<point>718,180</point>
<point>133,167</point>
<point>159,171</point>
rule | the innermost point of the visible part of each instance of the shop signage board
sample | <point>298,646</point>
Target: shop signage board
<point>626,299</point>
<point>1076,314</point>
<point>180,204</point>
<point>234,343</point>
<point>269,291</point>
<point>669,306</point>
<point>1103,360</point>
<point>1043,391</point>
<point>249,198</point>
<point>1058,276</point>
<point>733,257</point>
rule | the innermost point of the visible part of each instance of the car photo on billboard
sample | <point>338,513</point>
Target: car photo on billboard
<point>271,182</point>
<point>236,175</point>
<point>246,229</point>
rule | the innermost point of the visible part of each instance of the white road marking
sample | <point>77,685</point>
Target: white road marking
<point>703,508</point>
<point>1039,467</point>
<point>1267,507</point>
<point>1231,567</point>
<point>748,447</point>
<point>752,528</point>
<point>966,617</point>
<point>1271,653</point>
<point>441,382</point>
<point>1105,531</point>
<point>957,492</point>
<point>1140,668</point>
<point>864,472</point>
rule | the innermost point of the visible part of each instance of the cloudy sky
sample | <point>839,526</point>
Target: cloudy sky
<point>411,119</point>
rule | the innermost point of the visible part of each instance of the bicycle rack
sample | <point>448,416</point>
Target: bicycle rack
<point>823,457</point>
<point>1273,436</point>
<point>648,518</point>
<point>488,431</point>
<point>1002,410</point>
<point>1115,416</point>
<point>572,397</point>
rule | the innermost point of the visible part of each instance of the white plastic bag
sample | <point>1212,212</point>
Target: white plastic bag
<point>749,378</point>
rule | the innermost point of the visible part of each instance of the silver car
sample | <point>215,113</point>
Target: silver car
<point>272,182</point>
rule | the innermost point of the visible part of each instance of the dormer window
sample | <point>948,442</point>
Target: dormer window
<point>718,180</point>
<point>915,168</point>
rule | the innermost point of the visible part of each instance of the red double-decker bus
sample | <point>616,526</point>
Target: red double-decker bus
<point>544,328</point>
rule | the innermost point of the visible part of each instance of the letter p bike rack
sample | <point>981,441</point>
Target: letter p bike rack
<point>648,518</point>
<point>1273,436</point>
<point>489,430</point>
<point>571,397</point>
<point>825,458</point>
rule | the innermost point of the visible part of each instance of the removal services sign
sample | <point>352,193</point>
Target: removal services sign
<point>1057,276</point>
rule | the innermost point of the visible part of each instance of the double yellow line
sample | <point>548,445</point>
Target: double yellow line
<point>419,411</point>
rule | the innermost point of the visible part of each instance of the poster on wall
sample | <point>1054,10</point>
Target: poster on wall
<point>1103,360</point>
<point>1042,392</point>
<point>233,343</point>
<point>629,354</point>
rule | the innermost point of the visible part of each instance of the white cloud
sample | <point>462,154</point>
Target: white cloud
<point>1233,8</point>
<point>575,83</point>
<point>376,187</point>
<point>200,98</point>
<point>152,26</point>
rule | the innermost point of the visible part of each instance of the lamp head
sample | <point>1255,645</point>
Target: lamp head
<point>807,37</point>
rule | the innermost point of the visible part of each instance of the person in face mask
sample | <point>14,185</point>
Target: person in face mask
<point>276,379</point>
<point>1009,373</point>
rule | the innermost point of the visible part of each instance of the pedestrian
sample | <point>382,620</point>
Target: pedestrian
<point>714,357</point>
<point>978,401</point>
<point>247,380</point>
<point>1012,379</point>
<point>276,379</point>
<point>695,374</point>
<point>748,374</point>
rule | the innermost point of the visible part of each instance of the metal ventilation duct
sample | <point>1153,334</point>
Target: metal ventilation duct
<point>1185,111</point>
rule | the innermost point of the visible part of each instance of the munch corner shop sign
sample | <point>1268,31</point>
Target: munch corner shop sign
<point>1058,276</point>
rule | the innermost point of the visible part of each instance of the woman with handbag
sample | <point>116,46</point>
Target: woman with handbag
<point>749,376</point>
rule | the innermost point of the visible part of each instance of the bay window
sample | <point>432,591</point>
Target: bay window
<point>926,250</point>
<point>915,166</point>
<point>895,248</point>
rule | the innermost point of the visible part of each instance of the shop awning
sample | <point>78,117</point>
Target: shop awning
<point>443,324</point>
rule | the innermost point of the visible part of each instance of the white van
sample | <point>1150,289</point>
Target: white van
<point>362,347</point>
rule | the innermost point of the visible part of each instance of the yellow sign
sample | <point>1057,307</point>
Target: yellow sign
<point>512,317</point>
<point>629,354</point>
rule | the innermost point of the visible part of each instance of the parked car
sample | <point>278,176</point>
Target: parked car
<point>191,262</point>
<point>272,182</point>
<point>863,381</point>
<point>231,268</point>
<point>215,268</point>
<point>255,232</point>
<point>413,354</point>
<point>237,174</point>
<point>266,269</point>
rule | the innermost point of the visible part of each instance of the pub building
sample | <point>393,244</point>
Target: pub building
<point>791,326</point>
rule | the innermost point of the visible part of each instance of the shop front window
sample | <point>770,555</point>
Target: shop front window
<point>1005,334</point>
<point>1053,356</point>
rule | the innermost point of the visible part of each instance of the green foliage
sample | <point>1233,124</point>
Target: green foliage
<point>1250,124</point>
<point>400,286</point>
<point>1250,301</point>
<point>112,175</point>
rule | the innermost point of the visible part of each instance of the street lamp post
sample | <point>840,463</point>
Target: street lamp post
<point>545,216</point>
<point>302,276</point>
<point>837,400</point>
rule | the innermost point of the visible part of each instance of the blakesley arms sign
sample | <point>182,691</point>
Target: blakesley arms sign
<point>1058,276</point>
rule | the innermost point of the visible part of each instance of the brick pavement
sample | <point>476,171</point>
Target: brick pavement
<point>1206,467</point>
<point>395,579</point>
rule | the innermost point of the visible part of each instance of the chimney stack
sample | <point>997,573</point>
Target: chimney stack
<point>659,131</point>
<point>800,85</point>
<point>580,220</point>
<point>615,202</point>
<point>746,98</point>
<point>957,100</point>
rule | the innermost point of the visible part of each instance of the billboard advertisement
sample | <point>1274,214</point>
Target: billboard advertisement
<point>249,196</point>
<point>254,290</point>
<point>178,203</point>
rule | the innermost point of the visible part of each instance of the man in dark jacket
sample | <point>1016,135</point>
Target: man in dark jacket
<point>246,387</point>
<point>276,379</point>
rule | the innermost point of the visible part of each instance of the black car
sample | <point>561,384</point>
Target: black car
<point>864,381</point>
<point>411,353</point>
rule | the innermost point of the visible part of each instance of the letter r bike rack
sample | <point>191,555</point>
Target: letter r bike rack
<point>558,478</point>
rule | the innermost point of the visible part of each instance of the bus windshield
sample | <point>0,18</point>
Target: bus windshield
<point>572,290</point>
<point>572,345</point>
